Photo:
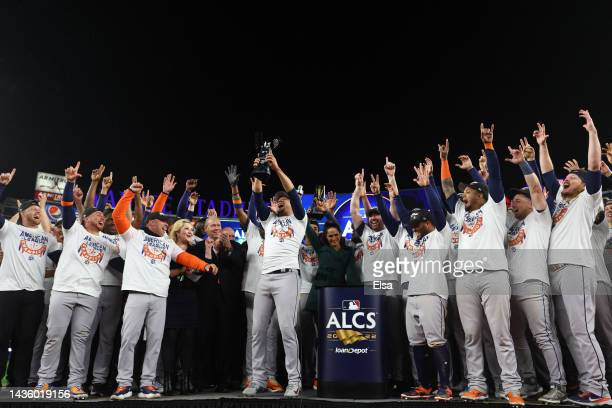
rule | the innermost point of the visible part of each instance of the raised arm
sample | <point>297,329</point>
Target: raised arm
<point>232,177</point>
<point>391,186</point>
<point>262,210</point>
<point>593,178</point>
<point>390,223</point>
<point>294,197</point>
<point>355,216</point>
<point>78,200</point>
<point>5,179</point>
<point>535,189</point>
<point>167,188</point>
<point>138,212</point>
<point>422,179</point>
<point>466,164</point>
<point>122,222</point>
<point>107,182</point>
<point>44,218</point>
<point>96,176</point>
<point>183,206</point>
<point>546,166</point>
<point>495,184</point>
<point>68,213</point>
<point>446,180</point>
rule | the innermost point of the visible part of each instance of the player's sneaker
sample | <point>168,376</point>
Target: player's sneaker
<point>42,387</point>
<point>555,395</point>
<point>474,394</point>
<point>514,399</point>
<point>273,386</point>
<point>149,392</point>
<point>246,382</point>
<point>444,394</point>
<point>121,393</point>
<point>77,393</point>
<point>253,390</point>
<point>293,390</point>
<point>530,390</point>
<point>419,392</point>
<point>589,399</point>
<point>98,390</point>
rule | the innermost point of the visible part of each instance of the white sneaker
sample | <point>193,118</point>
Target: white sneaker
<point>293,390</point>
<point>253,390</point>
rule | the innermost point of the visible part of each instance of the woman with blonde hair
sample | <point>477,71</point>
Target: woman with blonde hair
<point>181,318</point>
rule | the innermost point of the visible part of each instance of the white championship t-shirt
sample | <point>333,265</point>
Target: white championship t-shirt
<point>113,277</point>
<point>453,234</point>
<point>25,256</point>
<point>527,246</point>
<point>147,262</point>
<point>309,264</point>
<point>481,243</point>
<point>84,258</point>
<point>282,242</point>
<point>570,240</point>
<point>379,247</point>
<point>254,258</point>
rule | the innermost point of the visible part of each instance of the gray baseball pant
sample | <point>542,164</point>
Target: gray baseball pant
<point>77,310</point>
<point>272,341</point>
<point>150,310</point>
<point>108,316</point>
<point>574,288</point>
<point>488,291</point>
<point>280,290</point>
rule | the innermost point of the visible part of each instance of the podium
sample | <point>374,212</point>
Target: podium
<point>350,356</point>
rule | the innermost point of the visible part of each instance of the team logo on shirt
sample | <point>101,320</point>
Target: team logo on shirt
<point>472,222</point>
<point>309,256</point>
<point>416,247</point>
<point>374,242</point>
<point>260,251</point>
<point>154,249</point>
<point>282,229</point>
<point>454,235</point>
<point>32,245</point>
<point>91,251</point>
<point>560,211</point>
<point>516,235</point>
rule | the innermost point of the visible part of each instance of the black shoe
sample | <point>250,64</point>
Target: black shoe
<point>98,390</point>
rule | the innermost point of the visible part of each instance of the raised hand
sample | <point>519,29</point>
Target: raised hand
<point>211,213</point>
<point>145,199</point>
<point>42,200</point>
<point>392,193</point>
<point>96,174</point>
<point>169,184</point>
<point>272,161</point>
<point>107,182</point>
<point>389,168</point>
<point>137,187</point>
<point>72,172</point>
<point>375,184</point>
<point>604,169</point>
<point>232,174</point>
<point>466,162</point>
<point>193,198</point>
<point>588,125</point>
<point>429,166</point>
<point>256,185</point>
<point>191,184</point>
<point>331,200</point>
<point>528,150</point>
<point>5,178</point>
<point>443,150</point>
<point>422,178</point>
<point>607,151</point>
<point>486,134</point>
<point>516,156</point>
<point>320,205</point>
<point>540,134</point>
<point>77,193</point>
<point>571,165</point>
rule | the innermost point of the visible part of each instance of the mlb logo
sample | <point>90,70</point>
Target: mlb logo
<point>351,304</point>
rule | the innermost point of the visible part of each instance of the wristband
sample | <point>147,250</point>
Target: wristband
<point>238,205</point>
<point>488,146</point>
<point>445,169</point>
<point>525,168</point>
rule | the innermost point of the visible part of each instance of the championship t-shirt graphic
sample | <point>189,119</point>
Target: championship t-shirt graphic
<point>33,244</point>
<point>154,249</point>
<point>374,241</point>
<point>309,256</point>
<point>560,211</point>
<point>282,229</point>
<point>472,222</point>
<point>516,235</point>
<point>91,251</point>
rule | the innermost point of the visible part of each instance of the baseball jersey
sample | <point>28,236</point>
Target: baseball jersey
<point>527,246</point>
<point>482,236</point>
<point>84,257</point>
<point>282,242</point>
<point>570,240</point>
<point>309,263</point>
<point>25,256</point>
<point>147,262</point>
<point>111,276</point>
<point>599,237</point>
<point>379,247</point>
<point>427,258</point>
<point>254,258</point>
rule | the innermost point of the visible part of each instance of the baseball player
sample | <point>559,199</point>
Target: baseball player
<point>485,285</point>
<point>254,235</point>
<point>76,289</point>
<point>146,278</point>
<point>22,273</point>
<point>279,284</point>
<point>570,259</point>
<point>529,224</point>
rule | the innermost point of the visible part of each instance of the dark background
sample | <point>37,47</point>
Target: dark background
<point>155,87</point>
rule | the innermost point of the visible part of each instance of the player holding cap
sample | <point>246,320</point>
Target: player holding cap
<point>570,260</point>
<point>76,289</point>
<point>529,224</point>
<point>279,284</point>
<point>146,278</point>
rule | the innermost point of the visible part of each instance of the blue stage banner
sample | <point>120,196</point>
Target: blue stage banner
<point>350,339</point>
